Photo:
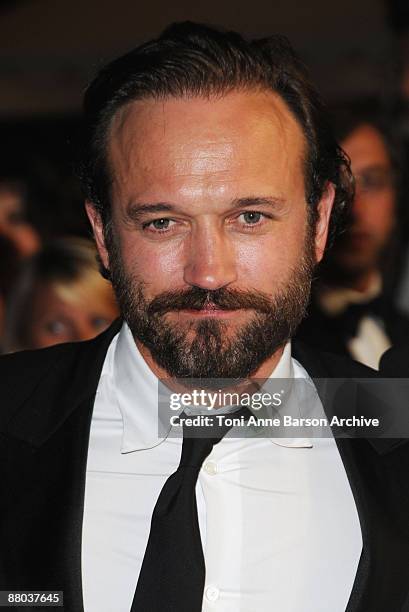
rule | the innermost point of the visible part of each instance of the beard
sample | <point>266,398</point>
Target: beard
<point>208,348</point>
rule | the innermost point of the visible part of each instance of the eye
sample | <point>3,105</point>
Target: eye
<point>373,180</point>
<point>55,327</point>
<point>251,217</point>
<point>162,224</point>
<point>100,322</point>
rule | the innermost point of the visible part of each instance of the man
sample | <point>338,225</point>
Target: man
<point>14,224</point>
<point>210,175</point>
<point>351,312</point>
<point>9,267</point>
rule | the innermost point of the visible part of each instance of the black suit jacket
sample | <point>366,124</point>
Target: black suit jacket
<point>395,362</point>
<point>46,407</point>
<point>332,334</point>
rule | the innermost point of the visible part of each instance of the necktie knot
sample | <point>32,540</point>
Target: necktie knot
<point>195,451</point>
<point>198,443</point>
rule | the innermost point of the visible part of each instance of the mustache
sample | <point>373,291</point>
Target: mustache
<point>197,298</point>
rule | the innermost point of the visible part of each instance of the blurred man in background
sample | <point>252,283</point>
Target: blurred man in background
<point>350,311</point>
<point>9,266</point>
<point>18,240</point>
<point>14,224</point>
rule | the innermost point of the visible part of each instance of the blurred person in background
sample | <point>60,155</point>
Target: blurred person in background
<point>351,310</point>
<point>14,224</point>
<point>9,266</point>
<point>60,296</point>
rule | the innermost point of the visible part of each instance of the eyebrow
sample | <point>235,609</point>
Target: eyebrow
<point>135,210</point>
<point>258,201</point>
<point>375,167</point>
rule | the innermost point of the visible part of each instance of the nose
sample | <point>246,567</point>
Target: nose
<point>210,262</point>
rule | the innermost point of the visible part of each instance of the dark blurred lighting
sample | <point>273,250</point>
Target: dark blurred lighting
<point>398,14</point>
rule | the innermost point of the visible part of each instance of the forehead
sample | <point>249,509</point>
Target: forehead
<point>213,142</point>
<point>366,147</point>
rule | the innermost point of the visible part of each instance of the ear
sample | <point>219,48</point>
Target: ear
<point>324,212</point>
<point>98,230</point>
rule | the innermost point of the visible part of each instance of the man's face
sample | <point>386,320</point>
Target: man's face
<point>374,205</point>
<point>13,222</point>
<point>209,251</point>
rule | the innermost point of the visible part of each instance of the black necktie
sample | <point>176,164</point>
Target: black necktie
<point>172,575</point>
<point>348,320</point>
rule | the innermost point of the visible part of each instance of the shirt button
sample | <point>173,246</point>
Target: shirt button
<point>212,593</point>
<point>210,467</point>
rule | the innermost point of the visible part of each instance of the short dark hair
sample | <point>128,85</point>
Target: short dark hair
<point>348,117</point>
<point>191,59</point>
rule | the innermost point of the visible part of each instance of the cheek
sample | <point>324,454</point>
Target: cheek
<point>377,212</point>
<point>41,338</point>
<point>389,213</point>
<point>269,260</point>
<point>383,217</point>
<point>108,312</point>
<point>153,263</point>
<point>25,239</point>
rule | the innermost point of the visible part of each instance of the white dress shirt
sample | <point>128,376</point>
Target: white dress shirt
<point>278,522</point>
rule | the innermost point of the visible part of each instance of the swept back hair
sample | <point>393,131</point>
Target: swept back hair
<point>190,59</point>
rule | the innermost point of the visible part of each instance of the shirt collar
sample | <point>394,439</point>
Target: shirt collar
<point>136,392</point>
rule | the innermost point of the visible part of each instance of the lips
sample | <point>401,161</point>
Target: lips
<point>209,309</point>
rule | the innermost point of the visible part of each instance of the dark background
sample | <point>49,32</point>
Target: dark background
<point>51,49</point>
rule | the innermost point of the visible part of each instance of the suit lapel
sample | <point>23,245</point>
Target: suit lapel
<point>46,448</point>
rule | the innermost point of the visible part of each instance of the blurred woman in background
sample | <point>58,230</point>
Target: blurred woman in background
<point>60,296</point>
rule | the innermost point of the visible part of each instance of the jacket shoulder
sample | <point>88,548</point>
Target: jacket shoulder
<point>44,386</point>
<point>395,362</point>
<point>344,367</point>
<point>323,364</point>
<point>22,372</point>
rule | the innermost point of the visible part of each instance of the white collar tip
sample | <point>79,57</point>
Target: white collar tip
<point>292,442</point>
